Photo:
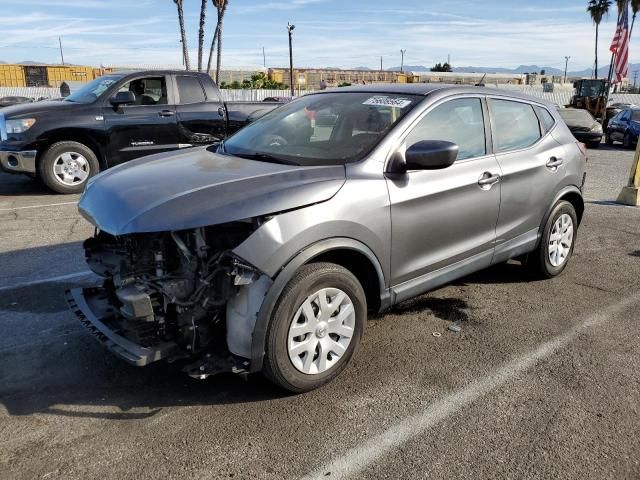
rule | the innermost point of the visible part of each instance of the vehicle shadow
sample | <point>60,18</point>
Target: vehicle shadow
<point>22,185</point>
<point>635,253</point>
<point>67,373</point>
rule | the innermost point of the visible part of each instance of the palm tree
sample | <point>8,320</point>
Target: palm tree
<point>635,8</point>
<point>183,34</point>
<point>222,8</point>
<point>598,9</point>
<point>203,12</point>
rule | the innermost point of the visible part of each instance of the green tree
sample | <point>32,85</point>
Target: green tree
<point>441,67</point>
<point>598,9</point>
<point>183,34</point>
<point>203,13</point>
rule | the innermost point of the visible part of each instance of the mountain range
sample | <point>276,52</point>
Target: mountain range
<point>602,71</point>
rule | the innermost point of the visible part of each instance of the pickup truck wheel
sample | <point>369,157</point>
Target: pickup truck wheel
<point>66,166</point>
<point>556,245</point>
<point>315,328</point>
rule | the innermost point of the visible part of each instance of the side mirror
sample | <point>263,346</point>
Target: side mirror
<point>123,98</point>
<point>431,155</point>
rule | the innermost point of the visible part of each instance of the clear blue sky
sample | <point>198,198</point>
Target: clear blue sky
<point>336,33</point>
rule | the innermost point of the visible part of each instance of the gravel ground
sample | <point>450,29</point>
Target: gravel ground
<point>542,381</point>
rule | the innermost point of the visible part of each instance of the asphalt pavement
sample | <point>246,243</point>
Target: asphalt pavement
<point>541,382</point>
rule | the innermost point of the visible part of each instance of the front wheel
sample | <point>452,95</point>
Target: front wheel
<point>65,167</point>
<point>315,328</point>
<point>557,243</point>
<point>626,142</point>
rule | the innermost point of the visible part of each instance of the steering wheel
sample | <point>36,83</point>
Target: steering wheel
<point>276,141</point>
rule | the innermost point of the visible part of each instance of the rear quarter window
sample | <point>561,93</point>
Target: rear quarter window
<point>546,119</point>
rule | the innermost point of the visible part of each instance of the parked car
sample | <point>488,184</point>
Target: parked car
<point>9,101</point>
<point>624,127</point>
<point>266,252</point>
<point>584,127</point>
<point>114,119</point>
<point>278,99</point>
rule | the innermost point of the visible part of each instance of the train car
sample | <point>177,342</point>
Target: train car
<point>15,75</point>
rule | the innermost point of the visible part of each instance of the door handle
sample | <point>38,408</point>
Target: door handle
<point>488,180</point>
<point>554,163</point>
<point>166,113</point>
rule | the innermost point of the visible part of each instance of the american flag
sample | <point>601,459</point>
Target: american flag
<point>620,46</point>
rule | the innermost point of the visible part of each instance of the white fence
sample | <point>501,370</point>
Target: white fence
<point>559,97</point>
<point>30,92</point>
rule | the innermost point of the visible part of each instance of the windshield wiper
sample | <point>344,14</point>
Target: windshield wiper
<point>265,157</point>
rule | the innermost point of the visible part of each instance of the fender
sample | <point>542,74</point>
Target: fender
<point>559,195</point>
<point>285,275</point>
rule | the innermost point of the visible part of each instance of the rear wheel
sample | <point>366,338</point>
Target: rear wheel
<point>608,140</point>
<point>558,239</point>
<point>315,328</point>
<point>66,166</point>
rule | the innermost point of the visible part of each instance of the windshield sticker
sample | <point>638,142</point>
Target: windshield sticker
<point>383,101</point>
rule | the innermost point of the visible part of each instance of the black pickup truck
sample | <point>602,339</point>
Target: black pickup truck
<point>116,118</point>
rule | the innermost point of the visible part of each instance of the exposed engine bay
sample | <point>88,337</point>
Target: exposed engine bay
<point>165,295</point>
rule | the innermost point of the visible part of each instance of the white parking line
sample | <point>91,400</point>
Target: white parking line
<point>59,278</point>
<point>361,457</point>
<point>37,206</point>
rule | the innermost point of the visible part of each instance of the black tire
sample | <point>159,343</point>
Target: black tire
<point>311,278</point>
<point>49,157</point>
<point>538,261</point>
<point>608,140</point>
<point>626,141</point>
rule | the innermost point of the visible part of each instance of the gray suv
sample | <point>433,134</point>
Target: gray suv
<point>265,253</point>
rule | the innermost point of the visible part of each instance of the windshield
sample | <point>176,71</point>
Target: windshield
<point>323,129</point>
<point>92,90</point>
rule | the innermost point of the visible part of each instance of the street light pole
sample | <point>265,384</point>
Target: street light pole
<point>61,54</point>
<point>290,29</point>
<point>566,64</point>
<point>402,52</point>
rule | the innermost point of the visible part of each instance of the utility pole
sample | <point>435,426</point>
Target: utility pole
<point>61,54</point>
<point>290,29</point>
<point>566,65</point>
<point>449,59</point>
<point>635,78</point>
<point>402,52</point>
<point>264,58</point>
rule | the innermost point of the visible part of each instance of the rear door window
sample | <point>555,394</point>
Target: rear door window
<point>458,121</point>
<point>190,90</point>
<point>515,125</point>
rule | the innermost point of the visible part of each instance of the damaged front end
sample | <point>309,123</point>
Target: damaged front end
<point>174,295</point>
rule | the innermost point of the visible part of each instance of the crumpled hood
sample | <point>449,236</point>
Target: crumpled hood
<point>196,188</point>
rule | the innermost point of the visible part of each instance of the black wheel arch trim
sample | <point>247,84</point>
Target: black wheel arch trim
<point>286,274</point>
<point>569,190</point>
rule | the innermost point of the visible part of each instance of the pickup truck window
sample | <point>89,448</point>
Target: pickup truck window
<point>92,90</point>
<point>322,129</point>
<point>190,90</point>
<point>148,91</point>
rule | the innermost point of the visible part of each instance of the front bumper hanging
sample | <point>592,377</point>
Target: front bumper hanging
<point>92,308</point>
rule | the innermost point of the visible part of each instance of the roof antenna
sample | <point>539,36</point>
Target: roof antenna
<point>481,82</point>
